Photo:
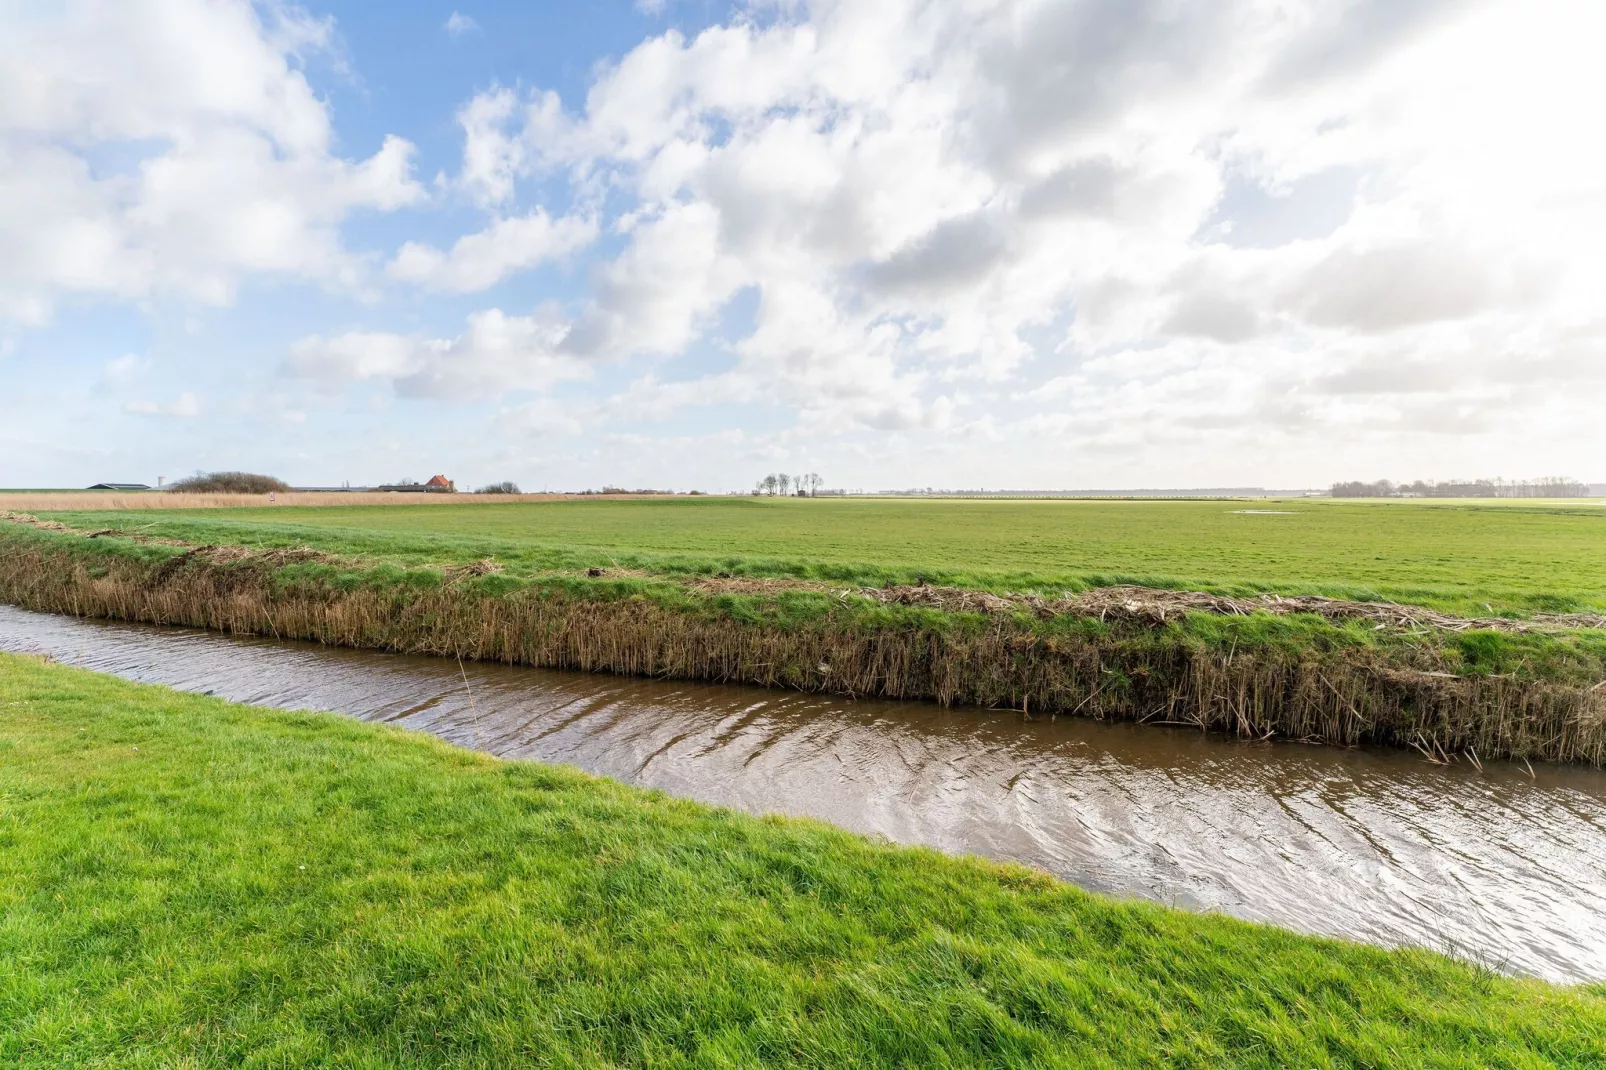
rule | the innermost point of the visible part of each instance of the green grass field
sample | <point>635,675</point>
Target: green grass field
<point>190,883</point>
<point>1467,557</point>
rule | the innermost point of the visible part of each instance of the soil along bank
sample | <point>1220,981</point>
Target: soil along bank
<point>1449,689</point>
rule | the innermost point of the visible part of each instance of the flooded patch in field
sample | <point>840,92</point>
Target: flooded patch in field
<point>1497,865</point>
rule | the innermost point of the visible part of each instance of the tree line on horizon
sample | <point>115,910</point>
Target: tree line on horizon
<point>1546,487</point>
<point>803,486</point>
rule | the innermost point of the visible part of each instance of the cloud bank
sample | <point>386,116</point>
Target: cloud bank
<point>1046,236</point>
<point>1101,204</point>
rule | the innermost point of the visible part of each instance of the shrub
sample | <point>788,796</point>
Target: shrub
<point>505,487</point>
<point>229,483</point>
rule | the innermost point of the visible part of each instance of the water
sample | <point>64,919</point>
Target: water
<point>1372,845</point>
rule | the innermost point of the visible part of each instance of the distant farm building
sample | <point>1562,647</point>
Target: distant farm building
<point>436,485</point>
<point>120,486</point>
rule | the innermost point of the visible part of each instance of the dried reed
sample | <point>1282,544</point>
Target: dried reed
<point>81,501</point>
<point>1340,697</point>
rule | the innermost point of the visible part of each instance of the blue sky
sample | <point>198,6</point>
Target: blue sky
<point>1009,243</point>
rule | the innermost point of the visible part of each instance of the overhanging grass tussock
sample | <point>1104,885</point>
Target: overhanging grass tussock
<point>1298,676</point>
<point>185,882</point>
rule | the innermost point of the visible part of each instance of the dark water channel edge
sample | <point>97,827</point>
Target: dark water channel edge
<point>1498,866</point>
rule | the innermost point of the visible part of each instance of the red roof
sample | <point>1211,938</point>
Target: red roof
<point>438,481</point>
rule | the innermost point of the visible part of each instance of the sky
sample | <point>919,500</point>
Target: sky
<point>953,243</point>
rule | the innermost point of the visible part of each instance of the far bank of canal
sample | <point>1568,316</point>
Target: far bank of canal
<point>1502,865</point>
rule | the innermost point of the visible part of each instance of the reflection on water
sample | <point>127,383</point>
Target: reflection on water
<point>1371,845</point>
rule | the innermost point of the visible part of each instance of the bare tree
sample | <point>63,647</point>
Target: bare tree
<point>769,483</point>
<point>784,481</point>
<point>812,483</point>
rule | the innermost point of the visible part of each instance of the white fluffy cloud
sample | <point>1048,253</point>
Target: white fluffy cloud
<point>495,352</point>
<point>1253,218</point>
<point>483,259</point>
<point>1068,238</point>
<point>171,146</point>
<point>185,406</point>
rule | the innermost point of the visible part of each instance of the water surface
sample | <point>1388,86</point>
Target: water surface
<point>1497,865</point>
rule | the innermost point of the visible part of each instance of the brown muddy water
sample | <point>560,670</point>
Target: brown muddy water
<point>1498,866</point>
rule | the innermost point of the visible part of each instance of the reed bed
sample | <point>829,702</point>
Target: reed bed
<point>1137,671</point>
<point>80,501</point>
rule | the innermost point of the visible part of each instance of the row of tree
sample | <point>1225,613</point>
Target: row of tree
<point>804,486</point>
<point>1548,487</point>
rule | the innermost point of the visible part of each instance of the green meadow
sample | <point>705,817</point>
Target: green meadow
<point>1472,558</point>
<point>186,882</point>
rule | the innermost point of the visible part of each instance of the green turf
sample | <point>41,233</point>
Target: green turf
<point>190,883</point>
<point>1471,558</point>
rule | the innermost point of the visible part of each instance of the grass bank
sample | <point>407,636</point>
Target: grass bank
<point>188,882</point>
<point>1478,692</point>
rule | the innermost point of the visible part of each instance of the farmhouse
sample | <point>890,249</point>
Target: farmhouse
<point>435,485</point>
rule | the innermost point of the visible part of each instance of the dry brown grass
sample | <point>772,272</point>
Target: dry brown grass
<point>77,501</point>
<point>1157,605</point>
<point>1344,698</point>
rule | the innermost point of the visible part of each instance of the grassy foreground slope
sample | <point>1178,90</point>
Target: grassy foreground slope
<point>187,882</point>
<point>1469,557</point>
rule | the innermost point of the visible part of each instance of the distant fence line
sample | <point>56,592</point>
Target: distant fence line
<point>1549,487</point>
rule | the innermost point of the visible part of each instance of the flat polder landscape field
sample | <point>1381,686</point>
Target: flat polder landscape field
<point>191,882</point>
<point>1467,557</point>
<point>1471,626</point>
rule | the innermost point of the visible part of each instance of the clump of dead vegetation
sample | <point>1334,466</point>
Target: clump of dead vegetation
<point>1158,605</point>
<point>32,521</point>
<point>240,558</point>
<point>1150,605</point>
